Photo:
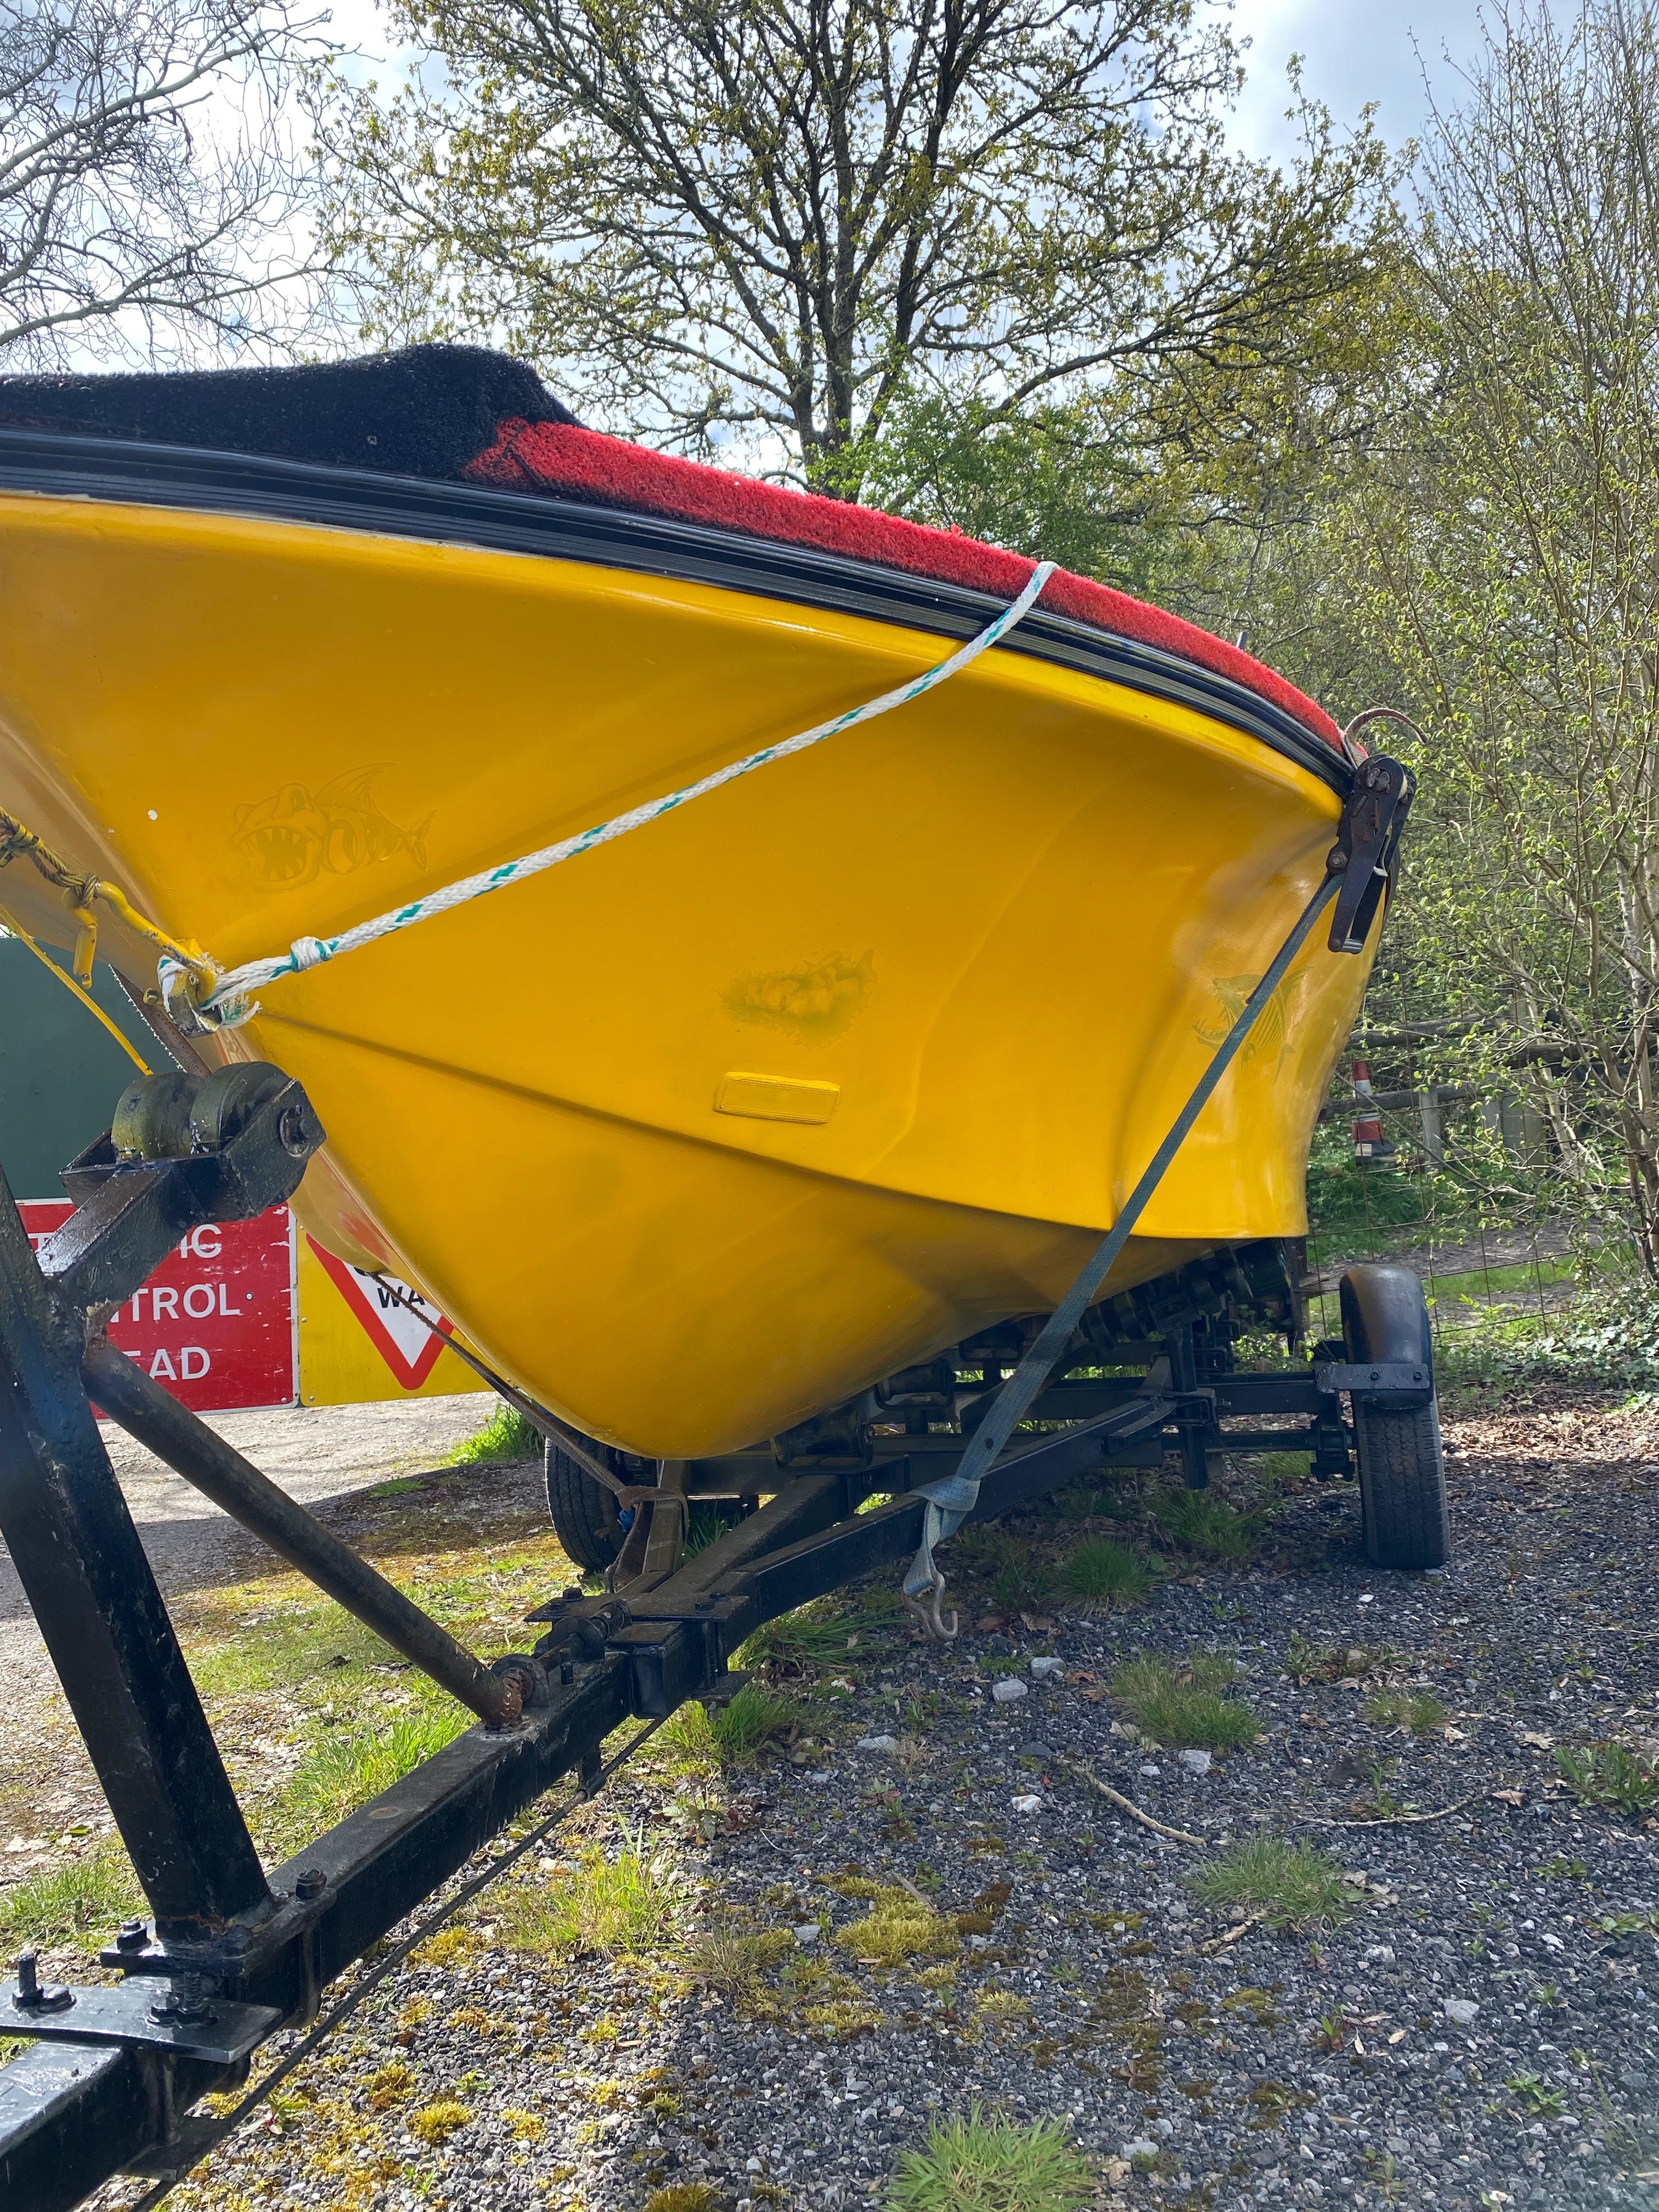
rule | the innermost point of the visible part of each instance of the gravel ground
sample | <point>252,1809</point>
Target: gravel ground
<point>1472,2033</point>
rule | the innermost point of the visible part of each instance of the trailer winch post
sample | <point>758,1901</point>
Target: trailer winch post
<point>88,1582</point>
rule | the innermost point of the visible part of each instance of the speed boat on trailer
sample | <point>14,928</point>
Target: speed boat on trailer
<point>810,1075</point>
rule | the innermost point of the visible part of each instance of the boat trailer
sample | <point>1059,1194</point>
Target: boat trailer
<point>230,1955</point>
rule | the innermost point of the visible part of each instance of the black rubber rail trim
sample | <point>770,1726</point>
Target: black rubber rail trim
<point>618,537</point>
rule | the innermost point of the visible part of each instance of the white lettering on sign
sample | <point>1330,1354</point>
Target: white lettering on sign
<point>232,1284</point>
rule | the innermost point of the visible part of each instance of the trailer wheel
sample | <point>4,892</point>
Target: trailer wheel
<point>1402,1469</point>
<point>585,1517</point>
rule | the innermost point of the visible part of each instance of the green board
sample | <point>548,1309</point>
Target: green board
<point>61,1071</point>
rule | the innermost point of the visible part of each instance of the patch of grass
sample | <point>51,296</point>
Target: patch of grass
<point>734,1734</point>
<point>1200,1522</point>
<point>1000,2008</point>
<point>898,1927</point>
<point>348,1768</point>
<point>1419,1711</point>
<point>1610,1776</point>
<point>994,2165</point>
<point>732,1962</point>
<point>1306,1662</point>
<point>1184,1711</point>
<point>83,1896</point>
<point>685,2196</point>
<point>706,1523</point>
<point>505,1435</point>
<point>823,1634</point>
<point>400,1486</point>
<point>1019,1579</point>
<point>434,2124</point>
<point>1105,1575</point>
<point>602,1904</point>
<point>754,1717</point>
<point>1289,1885</point>
<point>391,2085</point>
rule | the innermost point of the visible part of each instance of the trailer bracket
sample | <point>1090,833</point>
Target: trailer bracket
<point>146,2014</point>
<point>1400,1378</point>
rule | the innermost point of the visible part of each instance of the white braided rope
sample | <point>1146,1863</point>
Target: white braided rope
<point>227,1006</point>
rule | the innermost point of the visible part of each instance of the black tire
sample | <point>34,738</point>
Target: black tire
<point>1402,1469</point>
<point>1402,1484</point>
<point>585,1519</point>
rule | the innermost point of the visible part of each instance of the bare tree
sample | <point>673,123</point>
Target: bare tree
<point>775,219</point>
<point>1499,572</point>
<point>148,180</point>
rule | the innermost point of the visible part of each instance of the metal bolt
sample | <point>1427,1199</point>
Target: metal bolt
<point>30,1996</point>
<point>1376,1376</point>
<point>132,1936</point>
<point>1335,859</point>
<point>311,1884</point>
<point>187,1999</point>
<point>291,1133</point>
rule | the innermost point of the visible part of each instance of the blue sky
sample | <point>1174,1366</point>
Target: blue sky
<point>1353,51</point>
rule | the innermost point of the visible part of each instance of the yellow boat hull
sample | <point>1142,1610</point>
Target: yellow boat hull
<point>714,1126</point>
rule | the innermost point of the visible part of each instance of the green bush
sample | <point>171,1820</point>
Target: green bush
<point>1609,1335</point>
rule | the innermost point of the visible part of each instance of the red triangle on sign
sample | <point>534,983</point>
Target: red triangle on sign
<point>410,1343</point>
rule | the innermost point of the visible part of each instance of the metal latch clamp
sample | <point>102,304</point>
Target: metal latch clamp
<point>1367,842</point>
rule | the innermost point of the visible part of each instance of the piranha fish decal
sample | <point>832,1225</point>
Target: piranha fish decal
<point>1271,1033</point>
<point>816,999</point>
<point>292,838</point>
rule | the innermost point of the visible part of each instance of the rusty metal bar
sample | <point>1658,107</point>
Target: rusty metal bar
<point>145,1411</point>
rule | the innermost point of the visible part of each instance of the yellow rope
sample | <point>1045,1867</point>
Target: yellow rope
<point>70,983</point>
<point>17,841</point>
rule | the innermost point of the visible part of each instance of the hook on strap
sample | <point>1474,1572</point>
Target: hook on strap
<point>929,1615</point>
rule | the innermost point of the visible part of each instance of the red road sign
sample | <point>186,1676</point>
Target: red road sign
<point>215,1322</point>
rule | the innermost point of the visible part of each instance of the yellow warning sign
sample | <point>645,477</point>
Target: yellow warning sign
<point>358,1343</point>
